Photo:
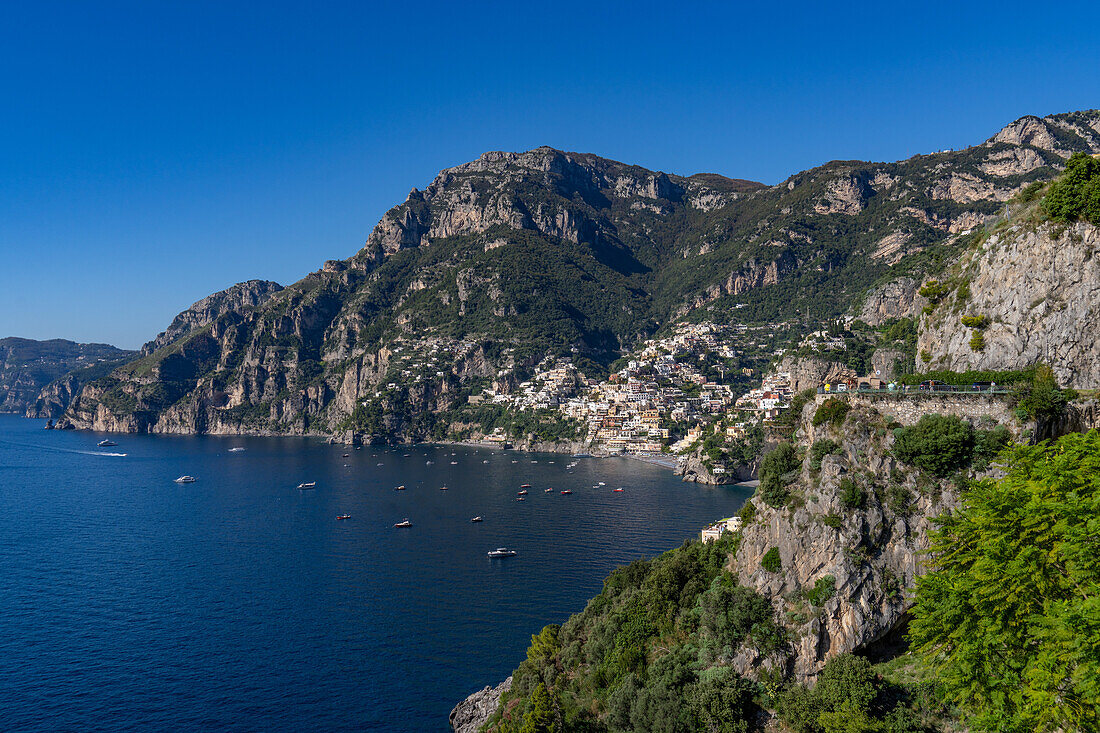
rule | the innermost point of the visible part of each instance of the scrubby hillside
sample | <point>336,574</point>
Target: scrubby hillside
<point>26,366</point>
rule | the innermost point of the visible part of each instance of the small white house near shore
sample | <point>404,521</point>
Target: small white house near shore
<point>715,531</point>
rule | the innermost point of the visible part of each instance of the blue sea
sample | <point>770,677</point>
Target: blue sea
<point>130,602</point>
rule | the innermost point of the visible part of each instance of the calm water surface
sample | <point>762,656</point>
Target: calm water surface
<point>129,602</point>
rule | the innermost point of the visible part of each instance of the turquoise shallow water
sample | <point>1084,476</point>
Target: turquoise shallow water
<point>129,602</point>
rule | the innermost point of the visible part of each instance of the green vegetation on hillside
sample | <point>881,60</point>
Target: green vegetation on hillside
<point>1009,617</point>
<point>1076,193</point>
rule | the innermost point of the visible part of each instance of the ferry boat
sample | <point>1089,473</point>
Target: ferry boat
<point>307,485</point>
<point>476,519</point>
<point>185,480</point>
<point>343,516</point>
<point>403,524</point>
<point>501,552</point>
<point>106,443</point>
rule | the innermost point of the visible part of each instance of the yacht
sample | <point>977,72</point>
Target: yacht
<point>399,488</point>
<point>476,519</point>
<point>548,491</point>
<point>308,485</point>
<point>404,524</point>
<point>343,516</point>
<point>442,488</point>
<point>617,490</point>
<point>567,491</point>
<point>185,480</point>
<point>522,492</point>
<point>106,443</point>
<point>236,450</point>
<point>525,486</point>
<point>501,552</point>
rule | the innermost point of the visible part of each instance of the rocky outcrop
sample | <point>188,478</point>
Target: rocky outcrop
<point>55,398</point>
<point>1038,286</point>
<point>894,299</point>
<point>204,312</point>
<point>470,714</point>
<point>810,372</point>
<point>872,553</point>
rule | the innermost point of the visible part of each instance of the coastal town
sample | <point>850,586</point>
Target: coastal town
<point>666,396</point>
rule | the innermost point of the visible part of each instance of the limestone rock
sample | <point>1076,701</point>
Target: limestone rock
<point>470,714</point>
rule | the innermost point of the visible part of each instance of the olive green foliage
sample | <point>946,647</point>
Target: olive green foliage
<point>977,341</point>
<point>831,412</point>
<point>775,474</point>
<point>1009,615</point>
<point>1076,194</point>
<point>851,493</point>
<point>848,698</point>
<point>820,449</point>
<point>823,591</point>
<point>975,321</point>
<point>647,653</point>
<point>771,561</point>
<point>938,444</point>
<point>935,291</point>
<point>1042,398</point>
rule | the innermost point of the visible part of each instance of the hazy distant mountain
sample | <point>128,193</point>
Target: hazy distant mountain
<point>26,366</point>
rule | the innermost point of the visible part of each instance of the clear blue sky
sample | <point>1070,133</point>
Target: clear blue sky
<point>154,152</point>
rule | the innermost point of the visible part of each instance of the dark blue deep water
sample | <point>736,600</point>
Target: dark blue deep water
<point>129,602</point>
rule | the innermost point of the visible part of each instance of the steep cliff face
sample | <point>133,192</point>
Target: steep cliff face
<point>871,550</point>
<point>1038,287</point>
<point>506,259</point>
<point>204,312</point>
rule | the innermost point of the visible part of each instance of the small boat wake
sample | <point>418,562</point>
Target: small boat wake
<point>66,450</point>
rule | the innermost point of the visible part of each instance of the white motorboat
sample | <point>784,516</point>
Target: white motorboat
<point>308,485</point>
<point>106,443</point>
<point>501,552</point>
<point>185,480</point>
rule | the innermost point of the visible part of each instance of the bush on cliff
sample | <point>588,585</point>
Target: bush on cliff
<point>831,412</point>
<point>938,444</point>
<point>1008,616</point>
<point>1076,194</point>
<point>775,472</point>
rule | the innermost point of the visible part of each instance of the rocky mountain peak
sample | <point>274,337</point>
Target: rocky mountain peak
<point>1060,133</point>
<point>248,294</point>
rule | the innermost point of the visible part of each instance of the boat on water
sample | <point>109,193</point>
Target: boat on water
<point>521,492</point>
<point>602,484</point>
<point>307,485</point>
<point>403,524</point>
<point>501,552</point>
<point>548,491</point>
<point>399,488</point>
<point>343,516</point>
<point>617,490</point>
<point>238,449</point>
<point>426,463</point>
<point>345,455</point>
<point>520,498</point>
<point>442,488</point>
<point>582,455</point>
<point>525,486</point>
<point>567,491</point>
<point>485,461</point>
<point>185,480</point>
<point>454,463</point>
<point>476,519</point>
<point>106,443</point>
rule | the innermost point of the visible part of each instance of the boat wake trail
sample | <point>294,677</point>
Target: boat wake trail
<point>65,450</point>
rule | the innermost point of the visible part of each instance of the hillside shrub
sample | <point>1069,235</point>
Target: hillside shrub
<point>975,321</point>
<point>820,449</point>
<point>1076,194</point>
<point>840,701</point>
<point>823,591</point>
<point>773,474</point>
<point>771,561</point>
<point>852,494</point>
<point>1042,398</point>
<point>977,341</point>
<point>938,444</point>
<point>831,411</point>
